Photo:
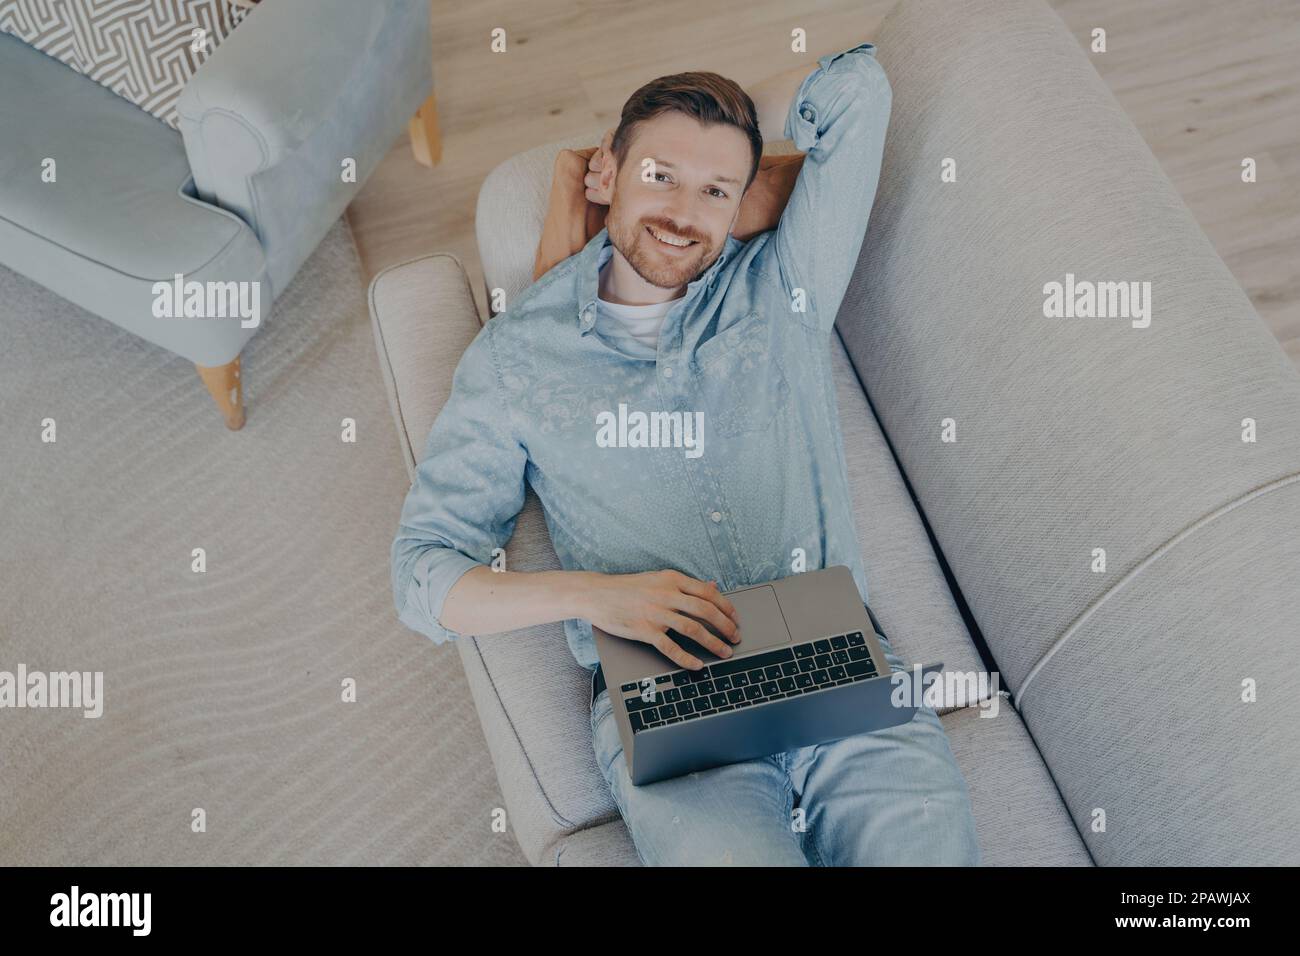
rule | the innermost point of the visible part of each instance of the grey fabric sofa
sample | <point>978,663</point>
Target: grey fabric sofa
<point>1129,742</point>
<point>243,192</point>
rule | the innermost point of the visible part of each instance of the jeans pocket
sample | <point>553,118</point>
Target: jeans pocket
<point>605,739</point>
<point>893,660</point>
<point>601,708</point>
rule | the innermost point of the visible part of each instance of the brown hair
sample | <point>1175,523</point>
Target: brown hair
<point>710,98</point>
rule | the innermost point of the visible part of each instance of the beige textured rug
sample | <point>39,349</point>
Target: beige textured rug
<point>222,690</point>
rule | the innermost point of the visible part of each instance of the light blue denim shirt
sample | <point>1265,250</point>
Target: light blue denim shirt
<point>748,346</point>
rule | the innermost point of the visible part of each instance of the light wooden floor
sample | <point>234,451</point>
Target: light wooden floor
<point>1205,81</point>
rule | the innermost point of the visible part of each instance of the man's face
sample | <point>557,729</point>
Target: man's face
<point>693,196</point>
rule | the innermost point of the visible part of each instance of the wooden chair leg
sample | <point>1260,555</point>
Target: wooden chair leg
<point>224,385</point>
<point>426,143</point>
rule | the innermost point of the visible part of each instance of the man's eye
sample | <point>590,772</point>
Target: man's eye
<point>719,192</point>
<point>664,175</point>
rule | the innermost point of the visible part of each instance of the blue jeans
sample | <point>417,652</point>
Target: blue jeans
<point>894,797</point>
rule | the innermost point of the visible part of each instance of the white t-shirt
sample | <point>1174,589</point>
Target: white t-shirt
<point>640,322</point>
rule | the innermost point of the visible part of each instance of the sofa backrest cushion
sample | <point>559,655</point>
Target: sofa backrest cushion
<point>142,50</point>
<point>1125,543</point>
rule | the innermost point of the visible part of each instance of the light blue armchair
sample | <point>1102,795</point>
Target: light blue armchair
<point>279,129</point>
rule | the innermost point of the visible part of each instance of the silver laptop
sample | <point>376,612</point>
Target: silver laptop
<point>808,669</point>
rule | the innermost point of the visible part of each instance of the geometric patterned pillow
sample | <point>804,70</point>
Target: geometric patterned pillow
<point>143,50</point>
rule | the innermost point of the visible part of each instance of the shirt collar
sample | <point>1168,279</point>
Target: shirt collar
<point>599,248</point>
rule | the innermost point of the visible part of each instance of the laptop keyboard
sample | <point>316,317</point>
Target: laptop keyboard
<point>683,695</point>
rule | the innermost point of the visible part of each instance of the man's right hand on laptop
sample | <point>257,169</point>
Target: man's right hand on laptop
<point>642,607</point>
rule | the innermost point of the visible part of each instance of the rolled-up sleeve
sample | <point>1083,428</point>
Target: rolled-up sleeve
<point>467,493</point>
<point>838,120</point>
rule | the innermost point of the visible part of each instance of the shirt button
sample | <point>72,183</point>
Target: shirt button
<point>668,372</point>
<point>807,113</point>
<point>716,516</point>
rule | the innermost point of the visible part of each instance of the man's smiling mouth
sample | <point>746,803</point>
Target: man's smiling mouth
<point>669,239</point>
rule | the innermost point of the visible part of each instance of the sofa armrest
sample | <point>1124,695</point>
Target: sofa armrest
<point>298,89</point>
<point>424,317</point>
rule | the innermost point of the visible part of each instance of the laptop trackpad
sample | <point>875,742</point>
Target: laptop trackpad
<point>761,624</point>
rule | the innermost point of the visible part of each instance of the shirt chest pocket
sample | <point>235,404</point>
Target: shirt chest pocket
<point>742,384</point>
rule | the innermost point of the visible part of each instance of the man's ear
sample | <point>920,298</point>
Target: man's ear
<point>608,173</point>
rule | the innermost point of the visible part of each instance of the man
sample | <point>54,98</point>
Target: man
<point>666,314</point>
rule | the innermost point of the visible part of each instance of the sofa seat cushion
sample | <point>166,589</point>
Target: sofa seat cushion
<point>114,220</point>
<point>116,196</point>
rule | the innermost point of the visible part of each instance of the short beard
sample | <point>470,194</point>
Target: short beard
<point>627,239</point>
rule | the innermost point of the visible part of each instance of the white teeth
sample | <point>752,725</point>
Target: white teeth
<point>669,238</point>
